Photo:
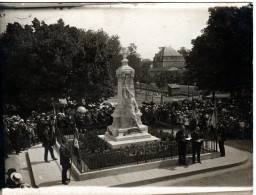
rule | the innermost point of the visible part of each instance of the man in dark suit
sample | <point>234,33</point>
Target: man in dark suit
<point>197,140</point>
<point>182,145</point>
<point>221,139</point>
<point>64,161</point>
<point>47,141</point>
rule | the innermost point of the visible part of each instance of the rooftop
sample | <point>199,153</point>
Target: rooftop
<point>168,51</point>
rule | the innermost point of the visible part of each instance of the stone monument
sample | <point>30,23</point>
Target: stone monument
<point>127,127</point>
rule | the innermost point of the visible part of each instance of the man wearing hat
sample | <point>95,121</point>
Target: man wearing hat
<point>24,134</point>
<point>182,145</point>
<point>41,125</point>
<point>196,144</point>
<point>15,135</point>
<point>221,139</point>
<point>64,161</point>
<point>14,180</point>
<point>81,119</point>
<point>47,143</point>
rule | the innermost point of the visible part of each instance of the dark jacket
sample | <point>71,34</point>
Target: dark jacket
<point>221,134</point>
<point>11,184</point>
<point>64,156</point>
<point>180,136</point>
<point>196,136</point>
<point>41,126</point>
<point>45,138</point>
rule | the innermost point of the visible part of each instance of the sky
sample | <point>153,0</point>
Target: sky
<point>149,26</point>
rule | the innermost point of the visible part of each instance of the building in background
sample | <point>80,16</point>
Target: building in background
<point>167,59</point>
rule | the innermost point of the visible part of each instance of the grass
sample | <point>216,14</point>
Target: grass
<point>246,145</point>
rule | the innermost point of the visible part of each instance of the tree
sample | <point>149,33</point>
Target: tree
<point>144,73</point>
<point>221,58</point>
<point>166,78</point>
<point>146,63</point>
<point>114,58</point>
<point>184,52</point>
<point>145,77</point>
<point>42,63</point>
<point>161,81</point>
<point>134,60</point>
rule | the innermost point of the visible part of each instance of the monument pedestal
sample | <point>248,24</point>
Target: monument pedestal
<point>122,141</point>
<point>128,136</point>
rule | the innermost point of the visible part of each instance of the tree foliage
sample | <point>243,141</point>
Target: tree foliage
<point>221,58</point>
<point>42,63</point>
<point>184,52</point>
<point>134,60</point>
<point>144,73</point>
<point>168,77</point>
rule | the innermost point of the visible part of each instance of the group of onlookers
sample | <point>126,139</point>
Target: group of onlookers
<point>18,134</point>
<point>234,115</point>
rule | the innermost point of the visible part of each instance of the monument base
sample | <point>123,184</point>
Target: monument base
<point>140,138</point>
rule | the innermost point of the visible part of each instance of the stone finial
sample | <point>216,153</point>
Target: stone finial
<point>124,52</point>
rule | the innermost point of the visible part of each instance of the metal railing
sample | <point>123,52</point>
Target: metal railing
<point>135,154</point>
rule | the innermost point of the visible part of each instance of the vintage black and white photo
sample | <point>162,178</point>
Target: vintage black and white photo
<point>127,96</point>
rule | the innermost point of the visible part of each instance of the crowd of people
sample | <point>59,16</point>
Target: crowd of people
<point>233,119</point>
<point>20,134</point>
<point>234,115</point>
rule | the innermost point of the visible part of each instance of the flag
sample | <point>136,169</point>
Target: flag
<point>76,137</point>
<point>193,116</point>
<point>76,143</point>
<point>214,120</point>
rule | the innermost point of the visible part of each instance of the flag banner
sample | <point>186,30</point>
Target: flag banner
<point>214,121</point>
<point>194,116</point>
<point>76,143</point>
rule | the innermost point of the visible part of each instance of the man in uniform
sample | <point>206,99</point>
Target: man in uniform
<point>15,137</point>
<point>64,161</point>
<point>196,144</point>
<point>221,139</point>
<point>47,141</point>
<point>41,125</point>
<point>182,144</point>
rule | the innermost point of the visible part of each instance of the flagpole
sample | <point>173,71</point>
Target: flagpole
<point>215,121</point>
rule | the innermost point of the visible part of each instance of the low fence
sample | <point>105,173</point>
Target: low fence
<point>135,154</point>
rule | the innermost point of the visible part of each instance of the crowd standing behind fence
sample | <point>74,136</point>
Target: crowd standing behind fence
<point>235,119</point>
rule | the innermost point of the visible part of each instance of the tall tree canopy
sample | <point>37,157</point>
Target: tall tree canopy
<point>42,62</point>
<point>184,51</point>
<point>134,60</point>
<point>221,58</point>
<point>168,77</point>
